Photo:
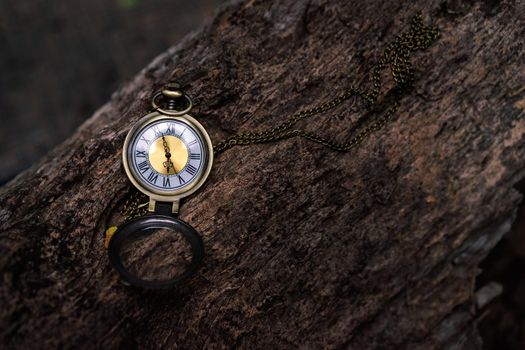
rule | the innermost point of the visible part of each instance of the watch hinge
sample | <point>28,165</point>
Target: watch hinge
<point>151,206</point>
<point>175,207</point>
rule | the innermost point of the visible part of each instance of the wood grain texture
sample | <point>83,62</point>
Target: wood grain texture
<point>306,248</point>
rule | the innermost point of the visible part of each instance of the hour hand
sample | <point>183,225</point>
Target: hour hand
<point>168,164</point>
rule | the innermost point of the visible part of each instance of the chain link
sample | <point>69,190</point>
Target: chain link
<point>396,56</point>
<point>135,205</point>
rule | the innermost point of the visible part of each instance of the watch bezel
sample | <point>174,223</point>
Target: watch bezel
<point>175,195</point>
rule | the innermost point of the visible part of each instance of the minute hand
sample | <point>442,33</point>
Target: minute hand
<point>167,164</point>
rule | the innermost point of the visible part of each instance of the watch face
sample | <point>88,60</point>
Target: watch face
<point>167,155</point>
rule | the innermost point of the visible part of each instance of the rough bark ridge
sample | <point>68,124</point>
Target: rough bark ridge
<point>306,247</point>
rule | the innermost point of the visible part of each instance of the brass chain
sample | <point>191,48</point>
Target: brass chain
<point>135,205</point>
<point>396,56</point>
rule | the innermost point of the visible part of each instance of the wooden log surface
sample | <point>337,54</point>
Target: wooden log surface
<point>306,247</point>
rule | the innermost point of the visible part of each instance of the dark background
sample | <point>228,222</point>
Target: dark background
<point>60,60</point>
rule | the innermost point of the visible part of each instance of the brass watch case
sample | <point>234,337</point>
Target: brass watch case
<point>176,195</point>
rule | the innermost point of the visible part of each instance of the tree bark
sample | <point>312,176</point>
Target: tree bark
<point>305,247</point>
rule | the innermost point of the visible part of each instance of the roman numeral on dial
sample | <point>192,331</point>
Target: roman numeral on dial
<point>152,177</point>
<point>170,130</point>
<point>143,167</point>
<point>166,182</point>
<point>157,132</point>
<point>196,156</point>
<point>181,180</point>
<point>191,169</point>
<point>141,154</point>
<point>192,143</point>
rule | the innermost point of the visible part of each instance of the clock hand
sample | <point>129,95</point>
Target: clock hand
<point>165,145</point>
<point>167,164</point>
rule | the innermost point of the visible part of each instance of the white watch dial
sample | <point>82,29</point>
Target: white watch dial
<point>167,155</point>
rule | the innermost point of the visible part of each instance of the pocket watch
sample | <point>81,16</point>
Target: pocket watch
<point>167,155</point>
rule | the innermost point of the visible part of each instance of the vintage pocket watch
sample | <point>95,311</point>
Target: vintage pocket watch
<point>167,155</point>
